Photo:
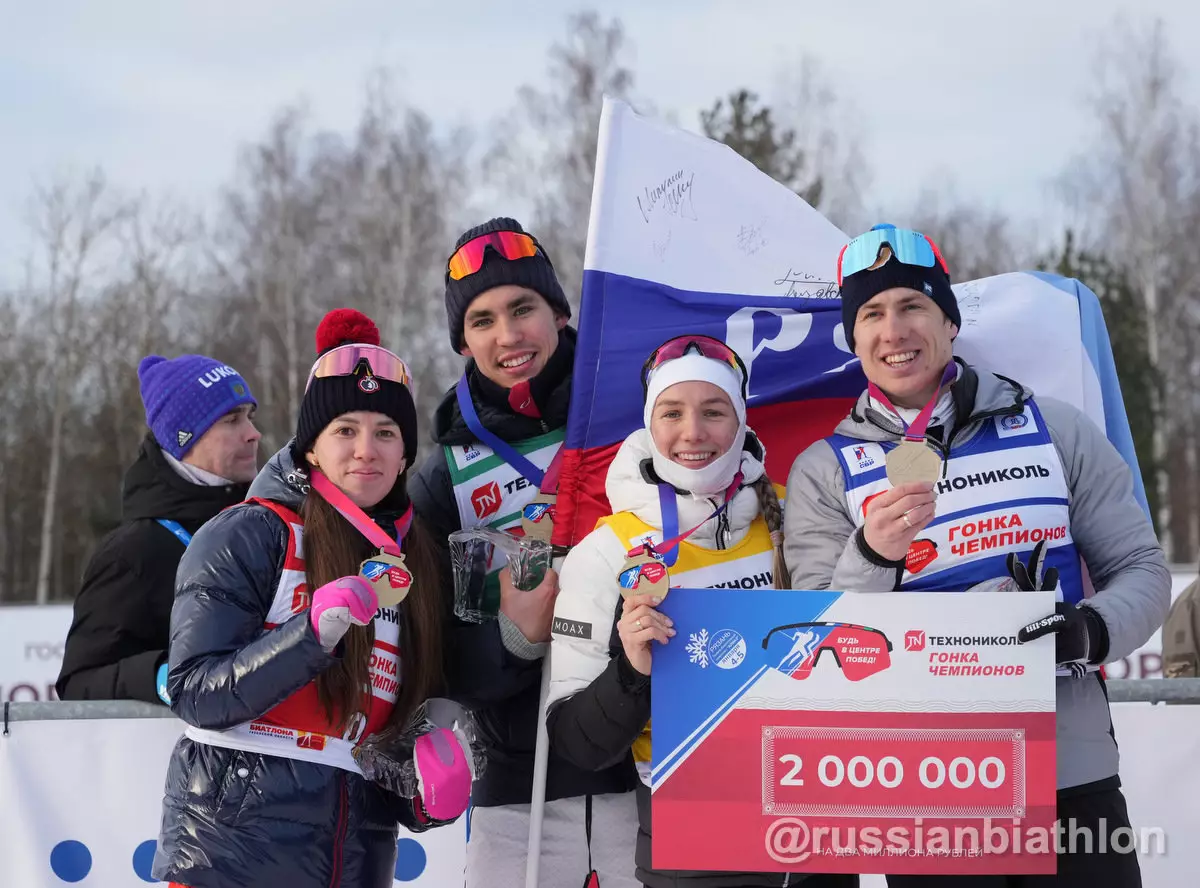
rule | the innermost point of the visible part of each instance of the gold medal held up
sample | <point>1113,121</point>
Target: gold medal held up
<point>388,576</point>
<point>537,518</point>
<point>911,461</point>
<point>643,574</point>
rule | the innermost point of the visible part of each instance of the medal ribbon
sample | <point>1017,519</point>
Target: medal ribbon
<point>916,431</point>
<point>358,518</point>
<point>546,481</point>
<point>668,549</point>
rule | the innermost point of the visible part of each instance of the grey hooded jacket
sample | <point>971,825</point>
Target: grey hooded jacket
<point>824,548</point>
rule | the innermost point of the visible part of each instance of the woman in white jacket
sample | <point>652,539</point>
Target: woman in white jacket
<point>697,461</point>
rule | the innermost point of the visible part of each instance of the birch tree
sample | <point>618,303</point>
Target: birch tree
<point>1137,194</point>
<point>70,221</point>
<point>545,150</point>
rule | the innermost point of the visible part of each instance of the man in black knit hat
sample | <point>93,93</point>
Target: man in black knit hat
<point>875,507</point>
<point>500,429</point>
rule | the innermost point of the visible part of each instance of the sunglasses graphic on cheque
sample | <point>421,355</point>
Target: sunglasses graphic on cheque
<point>859,651</point>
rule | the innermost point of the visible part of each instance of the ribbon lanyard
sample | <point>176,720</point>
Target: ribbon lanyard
<point>668,549</point>
<point>357,517</point>
<point>546,481</point>
<point>916,431</point>
<point>176,528</point>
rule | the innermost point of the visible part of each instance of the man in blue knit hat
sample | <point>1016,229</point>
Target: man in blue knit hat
<point>199,457</point>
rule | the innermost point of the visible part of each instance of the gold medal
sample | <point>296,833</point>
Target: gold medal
<point>643,574</point>
<point>537,518</point>
<point>912,461</point>
<point>388,576</point>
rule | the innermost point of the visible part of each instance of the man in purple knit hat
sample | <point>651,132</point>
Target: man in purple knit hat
<point>199,457</point>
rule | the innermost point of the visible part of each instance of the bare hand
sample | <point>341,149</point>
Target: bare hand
<point>531,611</point>
<point>639,625</point>
<point>894,518</point>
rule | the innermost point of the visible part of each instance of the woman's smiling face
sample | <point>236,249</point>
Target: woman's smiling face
<point>362,453</point>
<point>693,423</point>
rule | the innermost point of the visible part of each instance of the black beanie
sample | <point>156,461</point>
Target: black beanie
<point>861,287</point>
<point>535,272</point>
<point>328,397</point>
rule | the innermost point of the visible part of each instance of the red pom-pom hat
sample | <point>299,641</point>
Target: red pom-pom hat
<point>369,378</point>
<point>345,326</point>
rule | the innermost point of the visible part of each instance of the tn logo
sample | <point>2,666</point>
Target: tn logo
<point>486,500</point>
<point>914,640</point>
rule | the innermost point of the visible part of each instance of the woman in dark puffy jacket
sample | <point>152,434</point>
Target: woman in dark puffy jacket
<point>282,658</point>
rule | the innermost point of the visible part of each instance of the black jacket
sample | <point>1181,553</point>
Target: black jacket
<point>509,723</point>
<point>118,636</point>
<point>241,818</point>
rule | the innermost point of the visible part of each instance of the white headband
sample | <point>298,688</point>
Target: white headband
<point>693,367</point>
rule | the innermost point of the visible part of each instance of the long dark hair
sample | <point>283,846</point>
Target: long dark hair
<point>772,512</point>
<point>333,549</point>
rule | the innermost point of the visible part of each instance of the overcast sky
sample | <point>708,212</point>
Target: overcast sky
<point>990,95</point>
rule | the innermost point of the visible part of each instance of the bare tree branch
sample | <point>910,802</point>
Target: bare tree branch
<point>70,219</point>
<point>545,151</point>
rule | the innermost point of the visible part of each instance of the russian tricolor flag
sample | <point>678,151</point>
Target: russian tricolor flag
<point>687,237</point>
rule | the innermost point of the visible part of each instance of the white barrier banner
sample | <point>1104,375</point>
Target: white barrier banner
<point>82,801</point>
<point>31,651</point>
<point>1160,748</point>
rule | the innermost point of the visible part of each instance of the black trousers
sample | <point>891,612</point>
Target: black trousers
<point>1076,867</point>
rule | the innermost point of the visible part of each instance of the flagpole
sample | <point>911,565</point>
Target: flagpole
<point>541,758</point>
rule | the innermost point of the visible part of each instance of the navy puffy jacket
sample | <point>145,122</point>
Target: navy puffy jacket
<point>240,818</point>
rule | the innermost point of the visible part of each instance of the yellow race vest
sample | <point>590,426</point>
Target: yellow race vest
<point>744,566</point>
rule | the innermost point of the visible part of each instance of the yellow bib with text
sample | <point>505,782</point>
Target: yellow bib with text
<point>747,565</point>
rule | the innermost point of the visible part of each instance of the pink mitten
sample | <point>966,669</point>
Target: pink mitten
<point>338,605</point>
<point>444,775</point>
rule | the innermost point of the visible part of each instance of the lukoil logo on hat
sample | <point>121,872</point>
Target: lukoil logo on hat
<point>215,375</point>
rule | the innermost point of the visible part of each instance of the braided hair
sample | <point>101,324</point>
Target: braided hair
<point>772,512</point>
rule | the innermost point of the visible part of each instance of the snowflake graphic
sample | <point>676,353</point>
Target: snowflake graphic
<point>697,648</point>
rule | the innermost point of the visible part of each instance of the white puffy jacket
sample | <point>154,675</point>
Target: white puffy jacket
<point>589,595</point>
<point>599,704</point>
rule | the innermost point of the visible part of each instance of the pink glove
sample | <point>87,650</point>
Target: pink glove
<point>338,605</point>
<point>444,775</point>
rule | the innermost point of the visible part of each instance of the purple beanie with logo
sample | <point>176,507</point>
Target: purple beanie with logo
<point>184,396</point>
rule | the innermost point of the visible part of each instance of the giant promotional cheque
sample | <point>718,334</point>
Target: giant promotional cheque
<point>902,732</point>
